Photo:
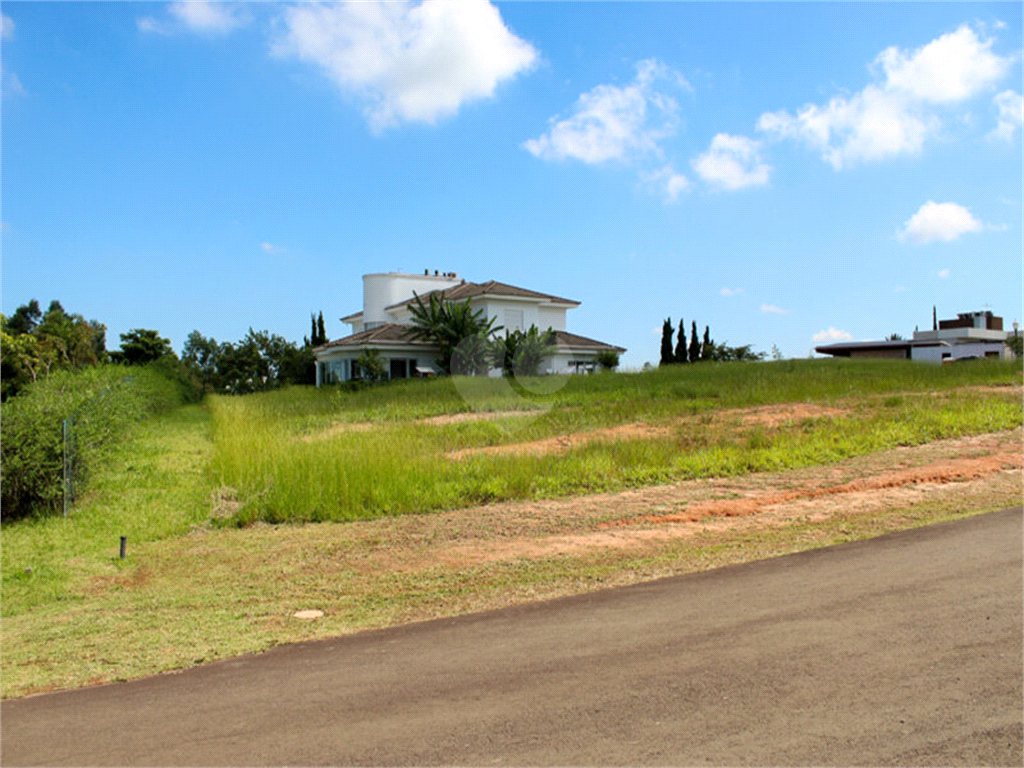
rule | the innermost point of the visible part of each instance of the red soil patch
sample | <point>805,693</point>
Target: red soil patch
<point>770,416</point>
<point>957,470</point>
<point>443,420</point>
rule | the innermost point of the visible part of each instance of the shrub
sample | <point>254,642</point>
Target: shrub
<point>608,359</point>
<point>101,402</point>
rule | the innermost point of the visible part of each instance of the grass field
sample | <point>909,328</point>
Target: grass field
<point>396,463</point>
<point>200,492</point>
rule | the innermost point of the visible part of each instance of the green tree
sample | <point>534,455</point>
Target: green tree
<point>1016,344</point>
<point>25,318</point>
<point>371,366</point>
<point>608,359</point>
<point>522,354</point>
<point>680,354</point>
<point>141,345</point>
<point>22,360</point>
<point>201,355</point>
<point>707,347</point>
<point>321,332</point>
<point>694,344</point>
<point>667,358</point>
<point>74,341</point>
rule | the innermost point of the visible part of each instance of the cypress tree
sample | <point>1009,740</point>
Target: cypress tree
<point>313,342</point>
<point>666,342</point>
<point>321,333</point>
<point>681,343</point>
<point>706,349</point>
<point>694,344</point>
<point>935,319</point>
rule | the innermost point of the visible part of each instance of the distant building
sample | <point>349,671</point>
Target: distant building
<point>970,335</point>
<point>385,325</point>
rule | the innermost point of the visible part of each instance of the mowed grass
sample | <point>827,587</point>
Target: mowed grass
<point>196,586</point>
<point>288,456</point>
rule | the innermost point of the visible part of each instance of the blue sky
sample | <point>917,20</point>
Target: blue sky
<point>787,174</point>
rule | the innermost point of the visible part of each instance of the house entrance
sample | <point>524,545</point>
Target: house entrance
<point>399,369</point>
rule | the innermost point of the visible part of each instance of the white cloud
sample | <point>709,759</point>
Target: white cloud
<point>668,182</point>
<point>1011,115</point>
<point>613,123</point>
<point>271,248</point>
<point>891,116</point>
<point>899,289</point>
<point>939,221</point>
<point>417,63</point>
<point>731,291</point>
<point>949,69</point>
<point>151,25</point>
<point>943,274</point>
<point>831,335</point>
<point>732,162</point>
<point>206,17</point>
<point>6,27</point>
<point>771,309</point>
<point>13,83</point>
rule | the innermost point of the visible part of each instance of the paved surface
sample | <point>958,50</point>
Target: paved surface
<point>901,650</point>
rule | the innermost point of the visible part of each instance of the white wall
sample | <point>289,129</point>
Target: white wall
<point>383,290</point>
<point>542,317</point>
<point>957,351</point>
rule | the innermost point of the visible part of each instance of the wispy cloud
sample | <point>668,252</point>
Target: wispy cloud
<point>667,182</point>
<point>1011,115</point>
<point>203,17</point>
<point>6,27</point>
<point>611,122</point>
<point>943,274</point>
<point>896,113</point>
<point>731,291</point>
<point>405,62</point>
<point>831,335</point>
<point>732,162</point>
<point>771,309</point>
<point>939,221</point>
<point>271,248</point>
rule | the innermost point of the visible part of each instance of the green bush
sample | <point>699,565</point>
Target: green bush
<point>100,402</point>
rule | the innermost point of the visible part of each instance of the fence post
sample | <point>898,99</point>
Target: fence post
<point>64,439</point>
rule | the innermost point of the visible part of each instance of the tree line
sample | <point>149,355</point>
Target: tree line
<point>34,344</point>
<point>699,350</point>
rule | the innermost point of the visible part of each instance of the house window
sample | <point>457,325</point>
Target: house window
<point>513,320</point>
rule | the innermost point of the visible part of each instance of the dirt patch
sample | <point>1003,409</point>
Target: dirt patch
<point>563,443</point>
<point>458,418</point>
<point>785,413</point>
<point>343,427</point>
<point>771,416</point>
<point>649,518</point>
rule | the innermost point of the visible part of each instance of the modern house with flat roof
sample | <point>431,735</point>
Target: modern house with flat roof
<point>385,325</point>
<point>970,335</point>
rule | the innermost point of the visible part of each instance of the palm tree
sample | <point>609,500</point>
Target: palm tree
<point>521,354</point>
<point>461,334</point>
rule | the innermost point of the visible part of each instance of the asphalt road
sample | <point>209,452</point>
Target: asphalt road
<point>901,650</point>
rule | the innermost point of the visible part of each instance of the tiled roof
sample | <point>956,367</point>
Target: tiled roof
<point>389,333</point>
<point>573,341</point>
<point>490,288</point>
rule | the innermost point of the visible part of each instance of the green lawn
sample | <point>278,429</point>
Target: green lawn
<point>197,586</point>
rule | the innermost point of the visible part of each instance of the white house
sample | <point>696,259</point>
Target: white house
<point>970,335</point>
<point>385,325</point>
